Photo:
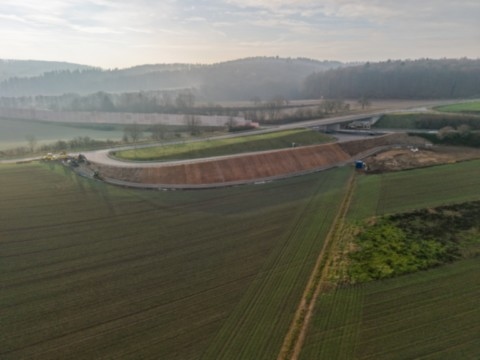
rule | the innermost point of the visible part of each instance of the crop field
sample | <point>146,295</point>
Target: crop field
<point>470,107</point>
<point>430,315</point>
<point>414,189</point>
<point>194,150</point>
<point>104,272</point>
<point>13,132</point>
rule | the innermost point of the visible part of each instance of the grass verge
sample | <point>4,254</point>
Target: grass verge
<point>229,146</point>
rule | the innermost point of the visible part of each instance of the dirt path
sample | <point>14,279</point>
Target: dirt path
<point>317,282</point>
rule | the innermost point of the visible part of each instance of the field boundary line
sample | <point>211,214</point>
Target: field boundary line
<point>296,334</point>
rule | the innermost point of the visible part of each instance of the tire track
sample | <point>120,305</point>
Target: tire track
<point>295,337</point>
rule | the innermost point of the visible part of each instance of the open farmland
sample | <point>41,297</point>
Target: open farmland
<point>218,147</point>
<point>13,132</point>
<point>430,314</point>
<point>104,272</point>
<point>469,107</point>
<point>414,189</point>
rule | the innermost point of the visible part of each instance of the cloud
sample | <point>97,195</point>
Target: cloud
<point>214,30</point>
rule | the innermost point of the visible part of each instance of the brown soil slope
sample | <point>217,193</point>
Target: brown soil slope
<point>248,167</point>
<point>236,169</point>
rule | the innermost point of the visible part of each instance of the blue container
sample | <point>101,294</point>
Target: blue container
<point>359,164</point>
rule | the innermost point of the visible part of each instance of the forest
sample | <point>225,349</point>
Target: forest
<point>410,79</point>
<point>242,79</point>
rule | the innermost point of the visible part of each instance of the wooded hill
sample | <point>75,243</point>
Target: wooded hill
<point>31,68</point>
<point>412,79</point>
<point>243,79</point>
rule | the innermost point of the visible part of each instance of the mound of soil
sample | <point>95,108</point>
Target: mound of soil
<point>403,159</point>
<point>356,147</point>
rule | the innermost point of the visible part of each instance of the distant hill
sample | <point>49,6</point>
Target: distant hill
<point>263,77</point>
<point>410,79</point>
<point>31,68</point>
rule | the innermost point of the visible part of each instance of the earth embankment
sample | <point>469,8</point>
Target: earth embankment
<point>230,170</point>
<point>245,168</point>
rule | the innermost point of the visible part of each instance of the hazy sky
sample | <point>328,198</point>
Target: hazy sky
<point>124,33</point>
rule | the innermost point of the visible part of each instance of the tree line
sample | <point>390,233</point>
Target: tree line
<point>232,80</point>
<point>410,79</point>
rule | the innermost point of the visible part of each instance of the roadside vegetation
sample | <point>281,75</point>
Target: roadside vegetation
<point>426,121</point>
<point>229,146</point>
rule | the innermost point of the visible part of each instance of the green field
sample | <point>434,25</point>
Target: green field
<point>426,121</point>
<point>13,132</point>
<point>94,271</point>
<point>415,189</point>
<point>201,149</point>
<point>469,107</point>
<point>431,314</point>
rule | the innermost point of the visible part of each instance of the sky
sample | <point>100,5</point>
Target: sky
<point>121,33</point>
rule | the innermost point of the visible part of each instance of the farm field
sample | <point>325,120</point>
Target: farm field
<point>13,132</point>
<point>430,314</point>
<point>105,272</point>
<point>470,107</point>
<point>208,148</point>
<point>414,189</point>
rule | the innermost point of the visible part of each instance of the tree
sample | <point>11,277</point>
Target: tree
<point>132,132</point>
<point>445,132</point>
<point>159,132</point>
<point>32,142</point>
<point>274,106</point>
<point>193,124</point>
<point>185,100</point>
<point>364,102</point>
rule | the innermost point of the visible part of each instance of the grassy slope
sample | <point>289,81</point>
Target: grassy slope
<point>432,313</point>
<point>470,107</point>
<point>104,272</point>
<point>270,141</point>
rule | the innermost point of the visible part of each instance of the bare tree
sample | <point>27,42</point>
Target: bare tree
<point>32,142</point>
<point>159,132</point>
<point>364,102</point>
<point>185,100</point>
<point>192,123</point>
<point>133,132</point>
<point>274,107</point>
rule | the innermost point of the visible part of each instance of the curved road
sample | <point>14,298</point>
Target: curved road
<point>102,156</point>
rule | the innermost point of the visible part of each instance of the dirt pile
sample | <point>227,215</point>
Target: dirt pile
<point>356,147</point>
<point>237,169</point>
<point>403,159</point>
